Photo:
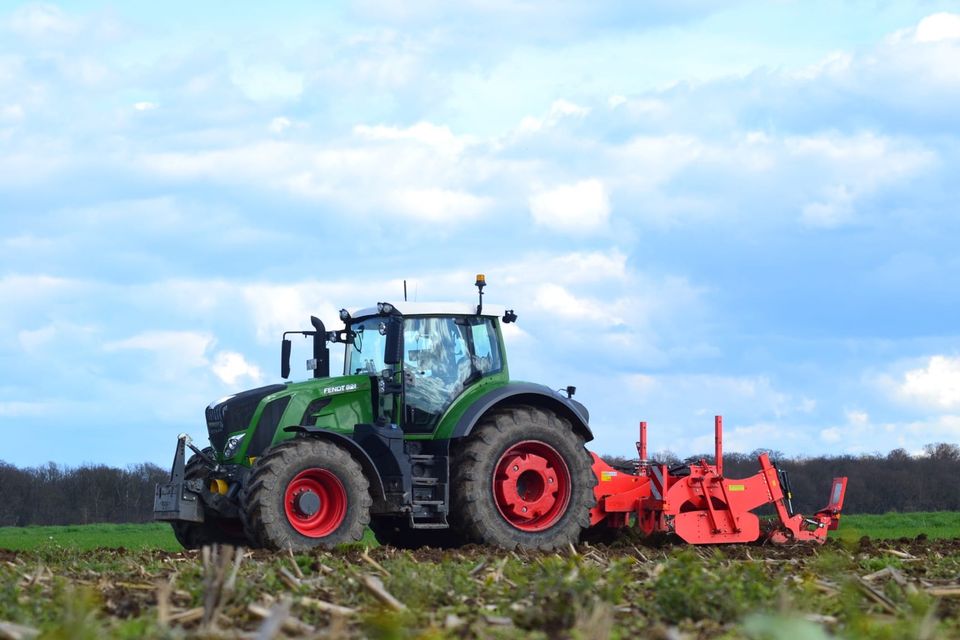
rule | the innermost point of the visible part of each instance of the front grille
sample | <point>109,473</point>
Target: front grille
<point>267,427</point>
<point>234,414</point>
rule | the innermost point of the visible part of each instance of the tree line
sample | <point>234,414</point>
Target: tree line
<point>59,495</point>
<point>56,495</point>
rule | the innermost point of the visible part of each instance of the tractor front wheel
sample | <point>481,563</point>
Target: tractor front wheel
<point>306,493</point>
<point>523,478</point>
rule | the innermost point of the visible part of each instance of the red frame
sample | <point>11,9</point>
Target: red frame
<point>704,507</point>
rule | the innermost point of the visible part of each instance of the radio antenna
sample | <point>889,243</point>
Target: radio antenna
<point>404,290</point>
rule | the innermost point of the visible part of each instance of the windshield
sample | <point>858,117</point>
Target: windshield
<point>365,355</point>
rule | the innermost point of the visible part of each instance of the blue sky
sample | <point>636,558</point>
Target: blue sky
<point>746,208</point>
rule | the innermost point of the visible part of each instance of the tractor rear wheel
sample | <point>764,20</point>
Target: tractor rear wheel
<point>193,535</point>
<point>306,493</point>
<point>523,478</point>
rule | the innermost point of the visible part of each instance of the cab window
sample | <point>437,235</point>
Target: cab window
<point>443,356</point>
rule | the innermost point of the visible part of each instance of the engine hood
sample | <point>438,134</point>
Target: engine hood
<point>234,413</point>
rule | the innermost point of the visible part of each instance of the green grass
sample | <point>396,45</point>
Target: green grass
<point>157,535</point>
<point>891,526</point>
<point>154,535</point>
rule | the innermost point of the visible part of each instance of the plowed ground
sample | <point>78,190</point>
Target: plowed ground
<point>868,589</point>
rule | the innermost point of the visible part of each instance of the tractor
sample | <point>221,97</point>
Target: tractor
<point>426,440</point>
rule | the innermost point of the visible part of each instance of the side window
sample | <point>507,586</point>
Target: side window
<point>434,348</point>
<point>486,348</point>
<point>444,355</point>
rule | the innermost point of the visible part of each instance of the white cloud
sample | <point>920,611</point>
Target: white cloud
<point>231,367</point>
<point>279,124</point>
<point>11,112</point>
<point>378,171</point>
<point>857,417</point>
<point>581,207</point>
<point>747,438</point>
<point>945,428</point>
<point>936,385</point>
<point>30,287</point>
<point>145,106</point>
<point>572,268</point>
<point>834,64</point>
<point>937,27</point>
<point>748,387</point>
<point>868,437</point>
<point>276,308</point>
<point>182,349</point>
<point>35,20</point>
<point>559,111</point>
<point>441,138</point>
<point>831,435</point>
<point>20,409</point>
<point>834,210</point>
<point>648,161</point>
<point>753,397</point>
<point>439,205</point>
<point>615,101</point>
<point>855,166</point>
<point>556,300</point>
<point>34,341</point>
<point>268,82</point>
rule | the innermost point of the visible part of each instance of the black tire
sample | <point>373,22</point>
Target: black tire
<point>475,506</point>
<point>193,535</point>
<point>265,512</point>
<point>396,532</point>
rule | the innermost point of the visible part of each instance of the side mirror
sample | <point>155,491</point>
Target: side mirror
<point>393,350</point>
<point>285,347</point>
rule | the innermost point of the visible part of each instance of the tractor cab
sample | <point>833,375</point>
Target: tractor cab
<point>447,349</point>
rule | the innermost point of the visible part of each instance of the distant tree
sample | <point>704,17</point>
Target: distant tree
<point>90,493</point>
<point>897,481</point>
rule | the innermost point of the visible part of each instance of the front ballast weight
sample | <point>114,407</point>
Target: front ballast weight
<point>179,499</point>
<point>702,506</point>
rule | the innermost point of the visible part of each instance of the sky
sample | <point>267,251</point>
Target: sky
<point>695,208</point>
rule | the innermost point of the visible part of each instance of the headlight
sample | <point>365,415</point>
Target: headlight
<point>233,444</point>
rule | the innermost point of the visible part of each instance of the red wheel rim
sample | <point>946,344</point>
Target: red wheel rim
<point>315,502</point>
<point>531,485</point>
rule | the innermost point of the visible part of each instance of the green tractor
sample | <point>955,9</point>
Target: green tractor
<point>424,438</point>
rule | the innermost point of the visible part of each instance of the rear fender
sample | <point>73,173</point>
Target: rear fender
<point>525,393</point>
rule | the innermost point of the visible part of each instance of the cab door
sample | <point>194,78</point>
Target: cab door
<point>443,356</point>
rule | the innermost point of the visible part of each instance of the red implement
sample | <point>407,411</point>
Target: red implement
<point>702,506</point>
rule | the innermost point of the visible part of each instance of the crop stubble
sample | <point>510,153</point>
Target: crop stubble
<point>872,589</point>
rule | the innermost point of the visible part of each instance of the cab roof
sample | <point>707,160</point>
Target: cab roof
<point>435,309</point>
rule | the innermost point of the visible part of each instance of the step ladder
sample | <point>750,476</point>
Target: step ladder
<point>431,494</point>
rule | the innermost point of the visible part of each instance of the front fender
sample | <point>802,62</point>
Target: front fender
<point>366,463</point>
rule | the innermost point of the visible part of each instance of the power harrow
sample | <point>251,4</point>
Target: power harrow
<point>702,506</point>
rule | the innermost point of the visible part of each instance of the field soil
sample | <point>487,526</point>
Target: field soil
<point>906,588</point>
